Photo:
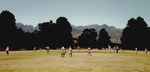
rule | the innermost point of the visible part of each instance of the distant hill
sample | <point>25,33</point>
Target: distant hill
<point>27,28</point>
<point>83,27</point>
<point>114,32</point>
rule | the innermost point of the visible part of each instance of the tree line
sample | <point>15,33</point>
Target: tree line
<point>58,34</point>
<point>51,34</point>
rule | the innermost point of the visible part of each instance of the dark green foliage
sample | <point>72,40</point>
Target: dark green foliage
<point>55,35</point>
<point>135,35</point>
<point>63,32</point>
<point>50,34</point>
<point>7,28</point>
<point>103,40</point>
<point>87,38</point>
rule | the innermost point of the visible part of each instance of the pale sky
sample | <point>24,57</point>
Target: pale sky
<point>78,12</point>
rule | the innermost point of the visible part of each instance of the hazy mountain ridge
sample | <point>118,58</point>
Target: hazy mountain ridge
<point>83,27</point>
<point>27,28</point>
<point>114,32</point>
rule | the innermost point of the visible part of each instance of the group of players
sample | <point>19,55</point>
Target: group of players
<point>63,50</point>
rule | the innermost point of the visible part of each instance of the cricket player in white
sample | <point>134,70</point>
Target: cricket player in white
<point>63,51</point>
<point>47,49</point>
<point>34,49</point>
<point>7,50</point>
<point>117,49</point>
<point>114,49</point>
<point>109,49</point>
<point>136,51</point>
<point>78,48</point>
<point>146,50</point>
<point>70,51</point>
<point>89,51</point>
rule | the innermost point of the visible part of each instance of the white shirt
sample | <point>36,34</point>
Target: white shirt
<point>109,47</point>
<point>114,47</point>
<point>117,47</point>
<point>78,47</point>
<point>146,49</point>
<point>62,50</point>
<point>136,49</point>
<point>7,49</point>
<point>70,50</point>
<point>89,49</point>
<point>34,48</point>
<point>47,48</point>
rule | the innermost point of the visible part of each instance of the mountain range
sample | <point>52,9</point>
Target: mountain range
<point>114,32</point>
<point>27,28</point>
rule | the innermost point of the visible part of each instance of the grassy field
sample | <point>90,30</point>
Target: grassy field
<point>100,61</point>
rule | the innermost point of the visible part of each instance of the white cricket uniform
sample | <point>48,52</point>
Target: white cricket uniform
<point>78,48</point>
<point>62,50</point>
<point>136,51</point>
<point>47,48</point>
<point>89,49</point>
<point>109,48</point>
<point>70,50</point>
<point>146,50</point>
<point>34,48</point>
<point>7,49</point>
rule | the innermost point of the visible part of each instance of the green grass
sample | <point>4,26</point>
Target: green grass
<point>100,61</point>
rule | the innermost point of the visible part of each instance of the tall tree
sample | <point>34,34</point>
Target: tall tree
<point>135,34</point>
<point>55,35</point>
<point>104,39</point>
<point>87,38</point>
<point>45,35</point>
<point>63,32</point>
<point>7,28</point>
